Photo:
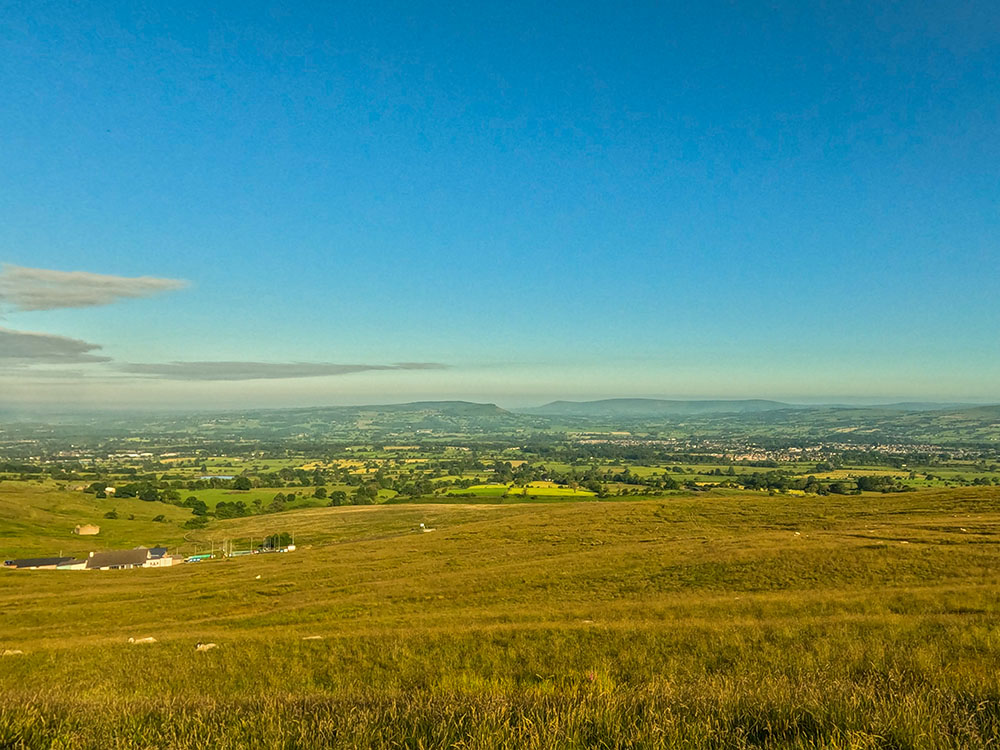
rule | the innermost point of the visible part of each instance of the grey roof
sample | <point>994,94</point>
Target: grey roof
<point>37,562</point>
<point>117,559</point>
<point>157,552</point>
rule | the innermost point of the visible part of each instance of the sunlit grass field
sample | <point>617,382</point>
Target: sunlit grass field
<point>713,621</point>
<point>531,489</point>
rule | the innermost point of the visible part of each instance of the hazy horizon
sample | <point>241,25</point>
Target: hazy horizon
<point>50,409</point>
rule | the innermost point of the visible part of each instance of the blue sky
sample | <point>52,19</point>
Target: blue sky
<point>797,200</point>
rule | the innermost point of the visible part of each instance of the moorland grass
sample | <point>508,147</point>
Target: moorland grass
<point>711,621</point>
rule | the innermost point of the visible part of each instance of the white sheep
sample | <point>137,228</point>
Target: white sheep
<point>205,646</point>
<point>13,652</point>
<point>150,639</point>
<point>312,637</point>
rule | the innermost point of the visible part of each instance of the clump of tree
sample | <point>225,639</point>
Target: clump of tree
<point>278,503</point>
<point>143,490</point>
<point>237,509</point>
<point>276,541</point>
<point>880,483</point>
<point>198,507</point>
<point>366,493</point>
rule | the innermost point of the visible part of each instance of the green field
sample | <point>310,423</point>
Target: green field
<point>213,497</point>
<point>723,620</point>
<point>532,489</point>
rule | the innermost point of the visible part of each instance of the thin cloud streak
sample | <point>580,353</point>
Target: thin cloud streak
<point>261,370</point>
<point>28,289</point>
<point>20,348</point>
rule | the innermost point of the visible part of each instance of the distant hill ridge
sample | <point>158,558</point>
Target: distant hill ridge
<point>653,406</point>
<point>903,413</point>
<point>465,408</point>
<point>984,411</point>
<point>457,408</point>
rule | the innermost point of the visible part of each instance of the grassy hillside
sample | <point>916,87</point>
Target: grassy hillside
<point>37,519</point>
<point>709,622</point>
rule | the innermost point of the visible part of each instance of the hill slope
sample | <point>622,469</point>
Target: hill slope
<point>647,624</point>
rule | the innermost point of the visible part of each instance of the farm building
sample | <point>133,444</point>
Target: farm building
<point>158,558</point>
<point>117,560</point>
<point>37,563</point>
<point>87,529</point>
<point>140,557</point>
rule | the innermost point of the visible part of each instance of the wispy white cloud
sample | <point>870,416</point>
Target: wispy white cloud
<point>261,370</point>
<point>43,289</point>
<point>19,348</point>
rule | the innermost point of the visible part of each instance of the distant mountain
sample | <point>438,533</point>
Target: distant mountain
<point>433,416</point>
<point>652,407</point>
<point>990,411</point>
<point>919,406</point>
<point>451,408</point>
<point>463,409</point>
